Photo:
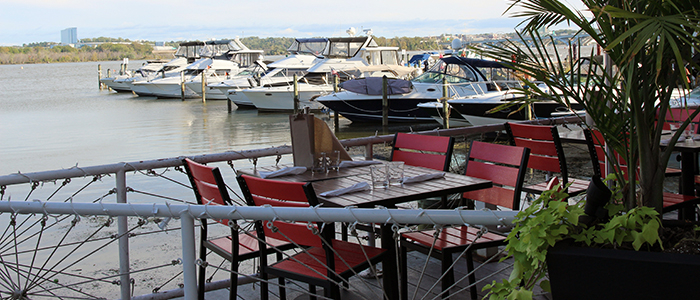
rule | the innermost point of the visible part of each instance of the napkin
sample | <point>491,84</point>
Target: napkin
<point>357,187</point>
<point>423,177</point>
<point>680,139</point>
<point>357,163</point>
<point>283,172</point>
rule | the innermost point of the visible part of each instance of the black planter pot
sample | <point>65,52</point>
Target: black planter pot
<point>592,273</point>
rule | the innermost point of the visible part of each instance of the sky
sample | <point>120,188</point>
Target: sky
<point>28,21</point>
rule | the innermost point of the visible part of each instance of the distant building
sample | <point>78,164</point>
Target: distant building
<point>160,44</point>
<point>69,36</point>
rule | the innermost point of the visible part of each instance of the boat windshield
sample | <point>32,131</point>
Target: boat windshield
<point>383,57</point>
<point>308,46</point>
<point>344,47</point>
<point>453,73</point>
<point>193,72</point>
<point>246,59</point>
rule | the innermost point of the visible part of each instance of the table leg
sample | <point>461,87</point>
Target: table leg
<point>390,274</point>
<point>688,166</point>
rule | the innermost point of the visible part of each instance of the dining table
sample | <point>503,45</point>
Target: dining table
<point>688,148</point>
<point>388,197</point>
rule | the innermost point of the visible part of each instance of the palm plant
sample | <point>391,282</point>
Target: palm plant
<point>648,45</point>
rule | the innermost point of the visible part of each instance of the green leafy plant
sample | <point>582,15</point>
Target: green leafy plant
<point>550,219</point>
<point>648,47</point>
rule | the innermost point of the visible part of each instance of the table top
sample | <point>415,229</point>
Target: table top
<point>394,194</point>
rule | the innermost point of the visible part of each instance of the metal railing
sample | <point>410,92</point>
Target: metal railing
<point>187,213</point>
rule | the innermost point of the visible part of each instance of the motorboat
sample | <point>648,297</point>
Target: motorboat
<point>223,58</point>
<point>344,56</point>
<point>462,76</point>
<point>302,55</point>
<point>117,82</point>
<point>186,53</point>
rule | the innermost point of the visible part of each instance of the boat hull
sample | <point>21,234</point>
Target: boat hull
<point>478,113</point>
<point>282,98</point>
<point>370,109</point>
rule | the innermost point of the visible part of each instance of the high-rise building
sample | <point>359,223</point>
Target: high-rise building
<point>69,36</point>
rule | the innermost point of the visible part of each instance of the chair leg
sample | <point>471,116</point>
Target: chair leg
<point>202,271</point>
<point>312,292</point>
<point>233,292</point>
<point>403,268</point>
<point>472,277</point>
<point>281,281</point>
<point>448,274</point>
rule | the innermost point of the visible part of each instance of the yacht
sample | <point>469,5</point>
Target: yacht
<point>342,57</point>
<point>302,55</point>
<point>222,58</point>
<point>463,76</point>
<point>117,83</point>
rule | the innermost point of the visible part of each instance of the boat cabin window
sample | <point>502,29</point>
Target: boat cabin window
<point>343,49</point>
<point>193,72</point>
<point>245,59</point>
<point>310,46</point>
<point>221,72</point>
<point>453,73</point>
<point>386,57</point>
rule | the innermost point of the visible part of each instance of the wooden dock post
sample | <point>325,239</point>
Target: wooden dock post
<point>204,86</point>
<point>335,113</point>
<point>296,94</point>
<point>99,75</point>
<point>385,102</point>
<point>182,85</point>
<point>445,105</point>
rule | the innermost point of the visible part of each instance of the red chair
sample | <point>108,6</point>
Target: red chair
<point>434,152</point>
<point>546,154</point>
<point>505,166</point>
<point>428,151</point>
<point>209,189</point>
<point>671,201</point>
<point>325,260</point>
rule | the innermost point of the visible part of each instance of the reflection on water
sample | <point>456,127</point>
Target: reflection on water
<point>54,116</point>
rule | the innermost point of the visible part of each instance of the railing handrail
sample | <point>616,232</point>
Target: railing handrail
<point>74,172</point>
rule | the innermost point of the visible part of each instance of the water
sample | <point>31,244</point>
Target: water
<point>54,116</point>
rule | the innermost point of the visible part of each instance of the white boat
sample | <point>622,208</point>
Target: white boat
<point>224,59</point>
<point>342,57</point>
<point>170,69</point>
<point>302,55</point>
<point>117,82</point>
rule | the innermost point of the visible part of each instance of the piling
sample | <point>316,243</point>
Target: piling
<point>182,85</point>
<point>385,102</point>
<point>335,113</point>
<point>99,76</point>
<point>296,94</point>
<point>445,105</point>
<point>204,86</point>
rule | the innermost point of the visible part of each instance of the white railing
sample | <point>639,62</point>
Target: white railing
<point>187,213</point>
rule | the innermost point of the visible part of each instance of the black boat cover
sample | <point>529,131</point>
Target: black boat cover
<point>373,86</point>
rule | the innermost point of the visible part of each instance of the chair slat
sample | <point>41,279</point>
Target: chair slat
<point>422,142</point>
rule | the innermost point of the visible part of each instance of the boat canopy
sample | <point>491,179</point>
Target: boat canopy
<point>347,47</point>
<point>373,86</point>
<point>308,46</point>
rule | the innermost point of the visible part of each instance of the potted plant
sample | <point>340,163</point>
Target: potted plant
<point>545,246</point>
<point>647,48</point>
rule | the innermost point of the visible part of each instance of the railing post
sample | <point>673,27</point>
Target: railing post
<point>123,230</point>
<point>189,269</point>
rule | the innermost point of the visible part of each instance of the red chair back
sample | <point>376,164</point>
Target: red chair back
<point>434,152</point>
<point>504,166</point>
<point>208,185</point>
<point>275,193</point>
<point>595,142</point>
<point>546,152</point>
<point>679,115</point>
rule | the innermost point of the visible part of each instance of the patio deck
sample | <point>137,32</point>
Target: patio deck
<point>494,271</point>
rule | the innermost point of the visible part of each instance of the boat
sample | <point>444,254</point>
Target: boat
<point>344,56</point>
<point>117,82</point>
<point>302,55</point>
<point>222,58</point>
<point>463,76</point>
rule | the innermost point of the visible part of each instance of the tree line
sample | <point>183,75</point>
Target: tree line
<point>119,48</point>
